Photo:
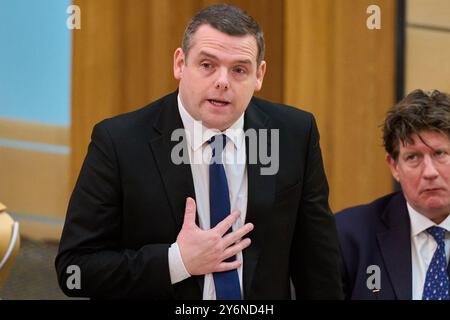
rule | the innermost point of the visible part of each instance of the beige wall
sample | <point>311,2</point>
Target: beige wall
<point>34,177</point>
<point>428,45</point>
<point>343,73</point>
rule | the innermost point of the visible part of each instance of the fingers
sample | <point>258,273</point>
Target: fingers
<point>223,226</point>
<point>234,236</point>
<point>235,249</point>
<point>226,266</point>
<point>232,251</point>
<point>189,212</point>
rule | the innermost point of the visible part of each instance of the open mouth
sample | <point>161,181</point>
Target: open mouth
<point>218,103</point>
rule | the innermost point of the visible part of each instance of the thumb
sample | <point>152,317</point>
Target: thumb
<point>189,212</point>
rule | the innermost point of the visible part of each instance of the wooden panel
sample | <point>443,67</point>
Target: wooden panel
<point>309,61</point>
<point>428,12</point>
<point>169,19</point>
<point>35,132</point>
<point>122,60</point>
<point>96,73</point>
<point>153,30</point>
<point>35,183</point>
<point>344,73</point>
<point>427,60</point>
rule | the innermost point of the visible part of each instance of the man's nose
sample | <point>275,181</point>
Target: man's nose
<point>429,171</point>
<point>222,79</point>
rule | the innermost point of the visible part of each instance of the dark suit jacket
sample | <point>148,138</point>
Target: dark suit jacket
<point>128,206</point>
<point>377,234</point>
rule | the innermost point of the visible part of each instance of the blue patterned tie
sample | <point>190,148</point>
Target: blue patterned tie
<point>436,281</point>
<point>226,283</point>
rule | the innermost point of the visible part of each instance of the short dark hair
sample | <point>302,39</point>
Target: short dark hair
<point>229,20</point>
<point>419,111</point>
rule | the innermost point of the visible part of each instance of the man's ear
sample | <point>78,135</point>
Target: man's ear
<point>260,72</point>
<point>392,163</point>
<point>178,63</point>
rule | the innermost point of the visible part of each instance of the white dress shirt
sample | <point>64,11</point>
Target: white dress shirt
<point>423,247</point>
<point>234,159</point>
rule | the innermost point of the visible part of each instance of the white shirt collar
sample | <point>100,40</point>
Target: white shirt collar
<point>196,137</point>
<point>420,223</point>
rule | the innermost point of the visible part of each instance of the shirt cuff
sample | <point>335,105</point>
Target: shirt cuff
<point>177,269</point>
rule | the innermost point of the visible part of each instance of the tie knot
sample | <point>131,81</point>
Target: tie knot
<point>217,143</point>
<point>438,233</point>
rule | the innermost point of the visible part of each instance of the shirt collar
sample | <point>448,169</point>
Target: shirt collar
<point>197,134</point>
<point>420,223</point>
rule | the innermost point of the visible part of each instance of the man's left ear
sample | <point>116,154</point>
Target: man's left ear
<point>260,75</point>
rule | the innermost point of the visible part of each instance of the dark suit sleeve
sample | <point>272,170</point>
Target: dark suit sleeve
<point>315,253</point>
<point>345,277</point>
<point>92,233</point>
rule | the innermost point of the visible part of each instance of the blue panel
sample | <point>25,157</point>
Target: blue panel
<point>35,61</point>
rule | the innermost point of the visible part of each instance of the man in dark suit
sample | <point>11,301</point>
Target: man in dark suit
<point>397,247</point>
<point>133,227</point>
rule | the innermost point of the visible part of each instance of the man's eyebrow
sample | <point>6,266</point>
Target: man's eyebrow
<point>208,55</point>
<point>245,61</point>
<point>211,56</point>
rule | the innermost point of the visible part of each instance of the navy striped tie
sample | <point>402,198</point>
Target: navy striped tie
<point>227,282</point>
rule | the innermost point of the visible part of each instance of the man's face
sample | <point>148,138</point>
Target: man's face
<point>423,171</point>
<point>218,77</point>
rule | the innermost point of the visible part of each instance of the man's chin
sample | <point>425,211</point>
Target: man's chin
<point>437,206</point>
<point>218,123</point>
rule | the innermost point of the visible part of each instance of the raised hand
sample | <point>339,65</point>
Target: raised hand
<point>203,251</point>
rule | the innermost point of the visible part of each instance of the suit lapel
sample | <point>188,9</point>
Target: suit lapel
<point>395,244</point>
<point>177,179</point>
<point>261,191</point>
